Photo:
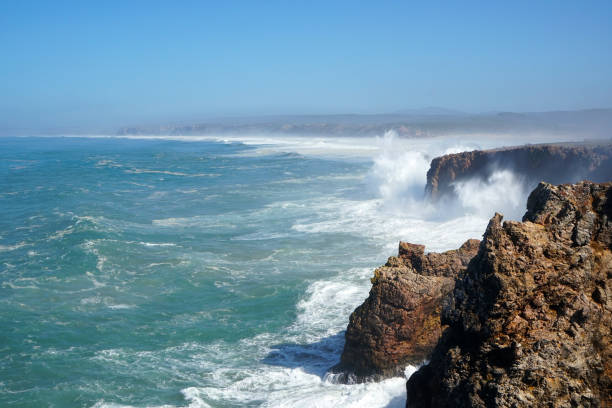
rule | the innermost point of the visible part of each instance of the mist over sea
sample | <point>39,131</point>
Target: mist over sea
<point>211,272</point>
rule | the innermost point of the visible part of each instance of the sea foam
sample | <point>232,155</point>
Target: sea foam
<point>238,292</point>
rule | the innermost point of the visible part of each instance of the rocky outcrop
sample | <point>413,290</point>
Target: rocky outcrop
<point>553,163</point>
<point>399,323</point>
<point>530,320</point>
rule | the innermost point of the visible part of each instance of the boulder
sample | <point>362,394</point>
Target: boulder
<point>399,322</point>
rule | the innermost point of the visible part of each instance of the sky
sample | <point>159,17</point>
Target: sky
<point>106,64</point>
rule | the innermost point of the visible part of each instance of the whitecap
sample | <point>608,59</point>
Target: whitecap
<point>7,248</point>
<point>61,233</point>
<point>260,236</point>
<point>170,173</point>
<point>121,306</point>
<point>155,244</point>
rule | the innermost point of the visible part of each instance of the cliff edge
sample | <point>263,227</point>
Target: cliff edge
<point>553,163</point>
<point>530,320</point>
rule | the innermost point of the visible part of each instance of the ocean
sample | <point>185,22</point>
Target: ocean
<point>209,272</point>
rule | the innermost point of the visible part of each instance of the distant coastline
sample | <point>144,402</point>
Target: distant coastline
<point>584,124</point>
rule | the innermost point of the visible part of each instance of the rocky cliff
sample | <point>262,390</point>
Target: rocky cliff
<point>530,320</point>
<point>553,163</point>
<point>399,323</point>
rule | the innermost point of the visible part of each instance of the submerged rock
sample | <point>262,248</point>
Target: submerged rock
<point>399,323</point>
<point>530,321</point>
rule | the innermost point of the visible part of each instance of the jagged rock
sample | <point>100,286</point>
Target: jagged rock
<point>399,323</point>
<point>530,321</point>
<point>449,263</point>
<point>553,163</point>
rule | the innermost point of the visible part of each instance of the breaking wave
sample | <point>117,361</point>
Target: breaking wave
<point>234,292</point>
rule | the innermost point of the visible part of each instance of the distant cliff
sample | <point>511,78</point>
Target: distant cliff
<point>530,321</point>
<point>399,323</point>
<point>592,123</point>
<point>553,163</point>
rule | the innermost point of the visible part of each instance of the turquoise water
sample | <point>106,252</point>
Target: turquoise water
<point>197,273</point>
<point>131,269</point>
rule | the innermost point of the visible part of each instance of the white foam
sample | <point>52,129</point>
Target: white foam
<point>373,219</point>
<point>294,374</point>
<point>157,195</point>
<point>388,393</point>
<point>193,403</point>
<point>61,233</point>
<point>96,283</point>
<point>154,244</point>
<point>191,395</point>
<point>15,284</point>
<point>325,308</point>
<point>7,248</point>
<point>289,365</point>
<point>170,173</point>
<point>107,163</point>
<point>350,147</point>
<point>174,222</point>
<point>154,264</point>
<point>503,191</point>
<point>121,306</point>
<point>287,368</point>
<point>260,236</point>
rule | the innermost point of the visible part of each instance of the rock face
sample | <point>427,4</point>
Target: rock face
<point>399,323</point>
<point>530,321</point>
<point>553,163</point>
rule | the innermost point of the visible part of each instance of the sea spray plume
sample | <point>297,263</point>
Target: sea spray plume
<point>398,174</point>
<point>554,163</point>
<point>503,190</point>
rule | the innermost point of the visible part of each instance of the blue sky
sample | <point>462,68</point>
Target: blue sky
<point>118,63</point>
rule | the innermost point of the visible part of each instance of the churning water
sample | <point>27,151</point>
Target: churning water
<point>206,272</point>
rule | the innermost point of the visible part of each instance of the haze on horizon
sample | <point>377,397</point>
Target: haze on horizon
<point>97,67</point>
